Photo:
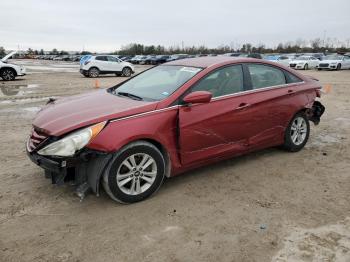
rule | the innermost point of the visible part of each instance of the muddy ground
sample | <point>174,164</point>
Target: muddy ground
<point>265,206</point>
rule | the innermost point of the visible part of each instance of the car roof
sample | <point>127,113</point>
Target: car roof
<point>207,61</point>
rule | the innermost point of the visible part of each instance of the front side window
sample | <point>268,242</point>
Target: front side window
<point>156,83</point>
<point>225,81</point>
<point>265,76</point>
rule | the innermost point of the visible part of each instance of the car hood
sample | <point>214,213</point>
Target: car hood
<point>4,59</point>
<point>297,61</point>
<point>67,114</point>
<point>330,61</point>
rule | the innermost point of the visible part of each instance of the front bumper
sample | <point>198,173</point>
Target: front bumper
<point>57,169</point>
<point>83,171</point>
<point>327,66</point>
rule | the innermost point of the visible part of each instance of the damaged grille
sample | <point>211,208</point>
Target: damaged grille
<point>36,139</point>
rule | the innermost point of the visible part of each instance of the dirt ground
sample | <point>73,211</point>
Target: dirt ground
<point>265,206</point>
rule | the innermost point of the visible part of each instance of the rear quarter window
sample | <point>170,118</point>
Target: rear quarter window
<point>292,78</point>
<point>265,76</point>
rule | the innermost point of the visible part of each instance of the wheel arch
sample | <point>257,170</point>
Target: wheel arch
<point>8,67</point>
<point>98,166</point>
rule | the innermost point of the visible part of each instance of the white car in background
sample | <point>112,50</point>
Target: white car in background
<point>285,59</point>
<point>334,62</point>
<point>304,62</point>
<point>105,64</point>
<point>9,72</point>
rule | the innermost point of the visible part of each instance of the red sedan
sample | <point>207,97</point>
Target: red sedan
<point>170,119</point>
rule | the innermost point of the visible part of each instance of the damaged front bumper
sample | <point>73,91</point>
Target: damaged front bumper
<point>83,171</point>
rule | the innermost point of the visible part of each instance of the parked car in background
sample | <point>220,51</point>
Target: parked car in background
<point>8,71</point>
<point>232,54</point>
<point>334,62</point>
<point>159,59</point>
<point>285,59</point>
<point>126,58</point>
<point>304,62</point>
<point>94,66</point>
<point>146,60</point>
<point>252,55</point>
<point>177,57</point>
<point>136,59</point>
<point>169,119</point>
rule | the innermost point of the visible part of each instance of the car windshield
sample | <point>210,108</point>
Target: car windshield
<point>302,58</point>
<point>157,83</point>
<point>333,57</point>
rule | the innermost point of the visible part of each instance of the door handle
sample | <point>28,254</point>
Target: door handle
<point>291,91</point>
<point>242,106</point>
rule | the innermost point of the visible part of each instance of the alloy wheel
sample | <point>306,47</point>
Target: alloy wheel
<point>298,131</point>
<point>136,174</point>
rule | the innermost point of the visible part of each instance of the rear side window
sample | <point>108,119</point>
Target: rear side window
<point>292,78</point>
<point>101,58</point>
<point>224,81</point>
<point>265,76</point>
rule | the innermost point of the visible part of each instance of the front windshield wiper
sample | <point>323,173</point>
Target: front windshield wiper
<point>132,96</point>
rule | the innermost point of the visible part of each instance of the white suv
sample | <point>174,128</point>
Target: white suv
<point>8,71</point>
<point>105,64</point>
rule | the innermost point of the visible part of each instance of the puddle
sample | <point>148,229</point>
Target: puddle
<point>16,90</point>
<point>325,243</point>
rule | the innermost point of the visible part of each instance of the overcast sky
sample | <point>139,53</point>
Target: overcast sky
<point>105,25</point>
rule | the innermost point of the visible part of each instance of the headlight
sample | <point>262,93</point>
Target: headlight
<point>68,145</point>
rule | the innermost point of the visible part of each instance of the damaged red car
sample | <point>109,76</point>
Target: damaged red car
<point>169,119</point>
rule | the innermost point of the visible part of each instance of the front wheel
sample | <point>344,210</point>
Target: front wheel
<point>136,172</point>
<point>338,66</point>
<point>297,133</point>
<point>126,71</point>
<point>8,74</point>
<point>306,67</point>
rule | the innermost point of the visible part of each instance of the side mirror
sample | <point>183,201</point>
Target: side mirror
<point>198,97</point>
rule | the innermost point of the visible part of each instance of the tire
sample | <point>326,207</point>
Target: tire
<point>86,74</point>
<point>338,67</point>
<point>94,72</point>
<point>8,74</point>
<point>306,67</point>
<point>297,133</point>
<point>126,71</point>
<point>126,182</point>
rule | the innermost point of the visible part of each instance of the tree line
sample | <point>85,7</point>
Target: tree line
<point>329,45</point>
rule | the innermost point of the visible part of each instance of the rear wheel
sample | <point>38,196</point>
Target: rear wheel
<point>94,72</point>
<point>126,71</point>
<point>297,133</point>
<point>8,74</point>
<point>136,172</point>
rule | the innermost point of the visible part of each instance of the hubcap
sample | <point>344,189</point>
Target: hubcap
<point>94,73</point>
<point>298,131</point>
<point>136,174</point>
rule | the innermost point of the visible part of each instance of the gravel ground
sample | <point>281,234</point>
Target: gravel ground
<point>266,206</point>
